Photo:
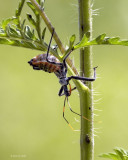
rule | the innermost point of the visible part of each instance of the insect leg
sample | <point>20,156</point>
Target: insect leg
<point>64,115</point>
<point>84,78</point>
<point>76,112</point>
<point>68,91</point>
<point>64,61</point>
<point>71,89</point>
<point>60,91</point>
<point>49,45</point>
<point>49,49</point>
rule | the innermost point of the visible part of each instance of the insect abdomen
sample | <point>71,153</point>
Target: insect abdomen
<point>39,63</point>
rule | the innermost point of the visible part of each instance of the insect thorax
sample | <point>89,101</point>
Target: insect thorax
<point>63,81</point>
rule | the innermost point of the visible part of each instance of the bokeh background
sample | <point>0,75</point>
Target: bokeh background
<point>31,123</point>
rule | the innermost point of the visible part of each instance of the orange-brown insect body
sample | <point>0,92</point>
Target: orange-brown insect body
<point>39,63</point>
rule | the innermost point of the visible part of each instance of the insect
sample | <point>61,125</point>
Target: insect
<point>51,64</point>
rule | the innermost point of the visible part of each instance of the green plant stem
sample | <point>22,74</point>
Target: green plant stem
<point>86,105</point>
<point>56,38</point>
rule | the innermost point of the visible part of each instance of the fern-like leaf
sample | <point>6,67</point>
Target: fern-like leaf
<point>14,32</point>
<point>100,40</point>
<point>120,154</point>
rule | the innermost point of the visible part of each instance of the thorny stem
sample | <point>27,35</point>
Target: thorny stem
<point>86,105</point>
<point>56,38</point>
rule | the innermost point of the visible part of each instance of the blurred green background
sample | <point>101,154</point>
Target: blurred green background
<point>31,123</point>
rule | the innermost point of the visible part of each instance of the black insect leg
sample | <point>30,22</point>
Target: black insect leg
<point>49,44</point>
<point>61,94</point>
<point>67,55</point>
<point>49,50</point>
<point>64,114</point>
<point>84,78</point>
<point>76,112</point>
<point>64,61</point>
<point>60,91</point>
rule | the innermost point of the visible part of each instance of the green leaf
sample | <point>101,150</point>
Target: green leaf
<point>43,33</point>
<point>22,24</point>
<point>4,41</point>
<point>114,40</point>
<point>71,41</point>
<point>82,43</point>
<point>70,47</point>
<point>124,43</point>
<point>31,20</point>
<point>13,32</point>
<point>5,22</point>
<point>32,8</point>
<point>23,43</point>
<point>100,38</point>
<point>110,156</point>
<point>18,11</point>
<point>2,33</point>
<point>15,20</point>
<point>120,154</point>
<point>28,33</point>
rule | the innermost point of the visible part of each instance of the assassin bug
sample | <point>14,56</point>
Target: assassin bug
<point>51,64</point>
